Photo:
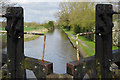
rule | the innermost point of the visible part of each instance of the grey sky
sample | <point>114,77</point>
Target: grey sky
<point>39,11</point>
<point>43,10</point>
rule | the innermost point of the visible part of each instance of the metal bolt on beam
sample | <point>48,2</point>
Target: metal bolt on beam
<point>19,37</point>
<point>99,34</point>
<point>43,69</point>
<point>35,67</point>
<point>98,62</point>
<point>9,60</point>
<point>75,69</point>
<point>83,67</point>
<point>110,60</point>
<point>9,73</point>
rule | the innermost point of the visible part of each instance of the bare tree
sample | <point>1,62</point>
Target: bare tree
<point>4,4</point>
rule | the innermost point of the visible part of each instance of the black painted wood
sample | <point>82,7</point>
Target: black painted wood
<point>15,42</point>
<point>103,40</point>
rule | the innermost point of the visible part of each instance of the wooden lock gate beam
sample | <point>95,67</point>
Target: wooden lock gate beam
<point>88,63</point>
<point>39,67</point>
<point>103,48</point>
<point>72,67</point>
<point>16,61</point>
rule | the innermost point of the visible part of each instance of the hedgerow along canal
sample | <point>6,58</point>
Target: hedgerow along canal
<point>58,50</point>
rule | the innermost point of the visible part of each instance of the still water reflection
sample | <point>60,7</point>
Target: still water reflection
<point>58,50</point>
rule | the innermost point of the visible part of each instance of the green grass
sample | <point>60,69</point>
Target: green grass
<point>88,42</point>
<point>90,50</point>
<point>2,28</point>
<point>28,28</point>
<point>33,28</point>
<point>32,38</point>
<point>114,48</point>
<point>69,32</point>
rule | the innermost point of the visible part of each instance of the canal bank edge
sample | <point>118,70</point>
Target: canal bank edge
<point>74,46</point>
<point>81,52</point>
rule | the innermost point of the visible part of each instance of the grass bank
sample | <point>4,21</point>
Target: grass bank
<point>28,37</point>
<point>39,29</point>
<point>89,49</point>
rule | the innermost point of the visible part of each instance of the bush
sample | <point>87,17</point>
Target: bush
<point>76,29</point>
<point>49,25</point>
<point>67,27</point>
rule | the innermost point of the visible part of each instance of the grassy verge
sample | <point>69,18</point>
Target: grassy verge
<point>37,29</point>
<point>34,28</point>
<point>90,50</point>
<point>70,36</point>
<point>1,28</point>
<point>33,37</point>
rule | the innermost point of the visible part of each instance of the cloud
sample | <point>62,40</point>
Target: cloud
<point>27,1</point>
<point>39,11</point>
<point>42,10</point>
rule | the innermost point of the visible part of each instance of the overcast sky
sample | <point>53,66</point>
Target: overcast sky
<point>39,11</point>
<point>42,10</point>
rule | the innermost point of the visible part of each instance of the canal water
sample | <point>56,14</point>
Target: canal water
<point>58,50</point>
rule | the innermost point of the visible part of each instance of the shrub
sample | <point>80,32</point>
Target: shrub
<point>76,29</point>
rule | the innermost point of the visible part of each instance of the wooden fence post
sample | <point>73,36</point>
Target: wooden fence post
<point>103,47</point>
<point>15,42</point>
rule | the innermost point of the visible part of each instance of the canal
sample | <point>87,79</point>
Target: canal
<point>58,50</point>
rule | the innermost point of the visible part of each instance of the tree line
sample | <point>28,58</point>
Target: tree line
<point>76,16</point>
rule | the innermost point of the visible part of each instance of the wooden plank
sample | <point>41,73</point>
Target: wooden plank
<point>32,63</point>
<point>71,66</point>
<point>40,68</point>
<point>15,42</point>
<point>103,35</point>
<point>79,69</point>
